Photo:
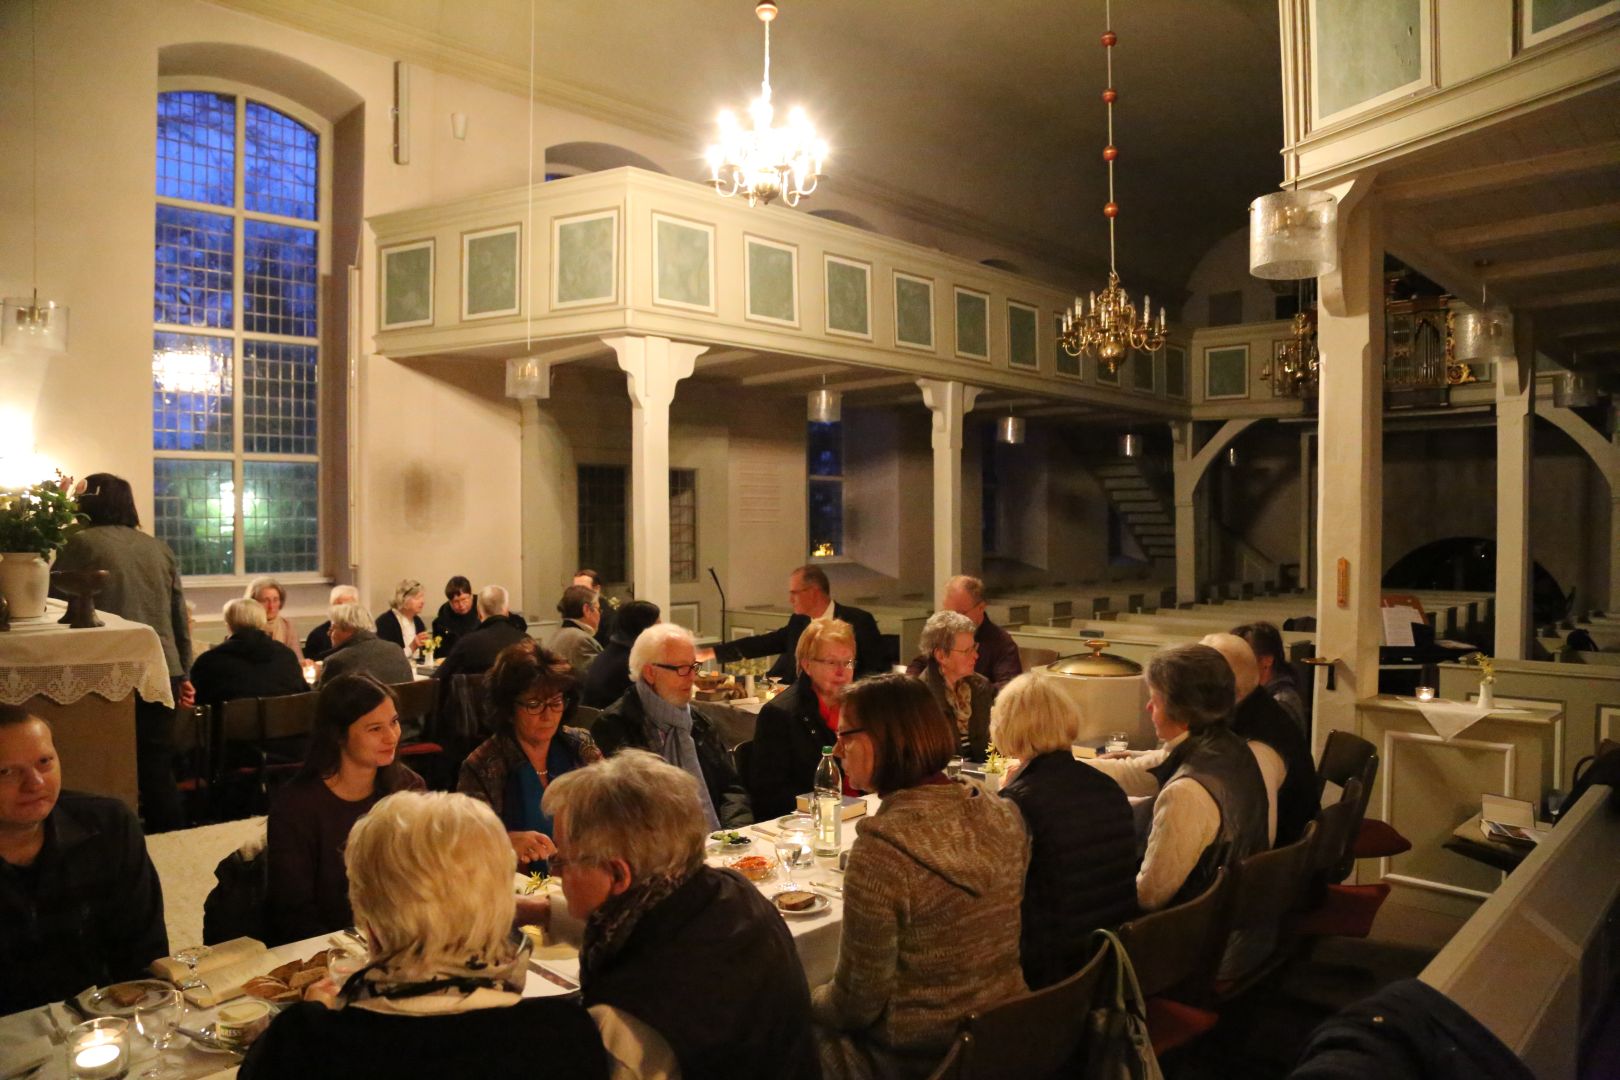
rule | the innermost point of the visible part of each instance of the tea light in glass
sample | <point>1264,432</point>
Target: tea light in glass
<point>1425,693</point>
<point>99,1049</point>
<point>1117,742</point>
<point>309,672</point>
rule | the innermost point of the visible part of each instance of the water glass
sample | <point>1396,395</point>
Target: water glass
<point>790,847</point>
<point>344,960</point>
<point>191,957</point>
<point>1118,741</point>
<point>158,1022</point>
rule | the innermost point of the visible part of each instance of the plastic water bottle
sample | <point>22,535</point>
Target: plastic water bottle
<point>827,805</point>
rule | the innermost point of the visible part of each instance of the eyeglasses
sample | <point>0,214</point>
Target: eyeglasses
<point>837,665</point>
<point>683,670</point>
<point>844,733</point>
<point>551,704</point>
<point>971,648</point>
<point>557,862</point>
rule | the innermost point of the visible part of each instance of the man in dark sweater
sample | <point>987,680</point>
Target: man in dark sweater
<point>249,663</point>
<point>811,596</point>
<point>1259,719</point>
<point>80,903</point>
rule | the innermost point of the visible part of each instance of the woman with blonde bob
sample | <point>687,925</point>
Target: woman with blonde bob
<point>681,962</point>
<point>430,881</point>
<point>1082,861</point>
<point>798,723</point>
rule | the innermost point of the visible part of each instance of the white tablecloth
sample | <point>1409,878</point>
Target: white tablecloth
<point>43,656</point>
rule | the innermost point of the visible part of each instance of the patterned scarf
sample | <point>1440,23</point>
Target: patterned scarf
<point>389,977</point>
<point>672,726</point>
<point>609,926</point>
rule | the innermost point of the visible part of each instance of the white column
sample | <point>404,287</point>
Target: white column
<point>1515,390</point>
<point>1185,483</point>
<point>654,366</point>
<point>1307,505</point>
<point>949,402</point>
<point>1350,484</point>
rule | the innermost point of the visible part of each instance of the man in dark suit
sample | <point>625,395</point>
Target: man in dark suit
<point>475,653</point>
<point>604,628</point>
<point>811,597</point>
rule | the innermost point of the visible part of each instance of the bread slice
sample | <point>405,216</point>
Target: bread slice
<point>795,900</point>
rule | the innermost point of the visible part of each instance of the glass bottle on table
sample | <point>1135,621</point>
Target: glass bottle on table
<point>827,805</point>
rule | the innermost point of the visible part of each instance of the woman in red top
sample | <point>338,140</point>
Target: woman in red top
<point>799,722</point>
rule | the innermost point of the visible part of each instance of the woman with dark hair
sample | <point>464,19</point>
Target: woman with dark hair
<point>532,694</point>
<point>458,615</point>
<point>349,767</point>
<point>931,898</point>
<point>1211,805</point>
<point>608,677</point>
<point>143,586</point>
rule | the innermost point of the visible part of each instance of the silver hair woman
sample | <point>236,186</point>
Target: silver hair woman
<point>402,622</point>
<point>243,614</point>
<point>430,882</point>
<point>268,591</point>
<point>659,922</point>
<point>950,652</point>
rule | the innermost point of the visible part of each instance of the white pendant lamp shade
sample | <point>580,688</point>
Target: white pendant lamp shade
<point>1292,234</point>
<point>1010,430</point>
<point>526,377</point>
<point>31,326</point>
<point>1482,336</point>
<point>826,406</point>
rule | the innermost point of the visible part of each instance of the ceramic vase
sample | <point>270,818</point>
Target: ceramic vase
<point>25,581</point>
<point>1487,696</point>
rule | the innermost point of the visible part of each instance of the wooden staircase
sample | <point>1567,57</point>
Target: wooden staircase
<point>1144,508</point>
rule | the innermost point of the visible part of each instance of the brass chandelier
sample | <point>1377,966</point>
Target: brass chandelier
<point>1296,370</point>
<point>765,162</point>
<point>1106,326</point>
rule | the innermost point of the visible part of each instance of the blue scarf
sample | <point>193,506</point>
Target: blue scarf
<point>673,727</point>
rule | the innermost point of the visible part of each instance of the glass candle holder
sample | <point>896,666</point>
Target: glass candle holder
<point>99,1049</point>
<point>1117,741</point>
<point>1425,693</point>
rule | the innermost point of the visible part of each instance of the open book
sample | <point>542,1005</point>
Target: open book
<point>1510,821</point>
<point>224,970</point>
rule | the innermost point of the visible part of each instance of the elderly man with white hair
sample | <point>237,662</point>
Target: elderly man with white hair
<point>476,653</point>
<point>357,650</point>
<point>657,714</point>
<point>319,641</point>
<point>247,664</point>
<point>1279,746</point>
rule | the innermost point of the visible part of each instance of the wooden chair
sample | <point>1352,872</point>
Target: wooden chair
<point>999,1045</point>
<point>1267,888</point>
<point>1178,951</point>
<point>1332,909</point>
<point>418,702</point>
<point>742,757</point>
<point>1346,757</point>
<point>585,716</point>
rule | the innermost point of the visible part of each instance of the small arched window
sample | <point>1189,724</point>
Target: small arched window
<point>242,192</point>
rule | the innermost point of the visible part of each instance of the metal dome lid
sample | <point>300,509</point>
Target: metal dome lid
<point>1096,664</point>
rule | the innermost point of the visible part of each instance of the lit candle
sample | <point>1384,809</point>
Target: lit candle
<point>1161,320</point>
<point>1425,693</point>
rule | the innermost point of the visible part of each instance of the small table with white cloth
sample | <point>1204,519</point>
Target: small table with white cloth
<point>84,683</point>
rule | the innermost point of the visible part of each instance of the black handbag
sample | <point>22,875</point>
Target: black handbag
<point>1119,1047</point>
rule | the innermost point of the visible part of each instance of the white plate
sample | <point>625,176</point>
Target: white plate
<point>821,905</point>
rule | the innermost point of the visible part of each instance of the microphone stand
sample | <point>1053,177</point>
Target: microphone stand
<point>721,589</point>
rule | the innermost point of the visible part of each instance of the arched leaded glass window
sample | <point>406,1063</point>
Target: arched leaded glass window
<point>236,334</point>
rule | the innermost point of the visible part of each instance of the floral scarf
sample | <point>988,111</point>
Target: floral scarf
<point>387,977</point>
<point>609,926</point>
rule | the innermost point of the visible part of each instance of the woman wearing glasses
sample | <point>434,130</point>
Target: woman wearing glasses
<point>532,693</point>
<point>795,725</point>
<point>965,696</point>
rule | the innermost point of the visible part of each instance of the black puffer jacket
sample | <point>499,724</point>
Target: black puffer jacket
<point>1082,862</point>
<point>624,723</point>
<point>249,663</point>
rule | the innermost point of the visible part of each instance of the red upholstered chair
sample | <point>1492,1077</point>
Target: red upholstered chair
<point>1338,910</point>
<point>1346,757</point>
<point>1176,953</point>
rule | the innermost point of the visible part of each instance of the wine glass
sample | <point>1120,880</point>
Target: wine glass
<point>191,957</point>
<point>344,960</point>
<point>789,849</point>
<point>158,1022</point>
